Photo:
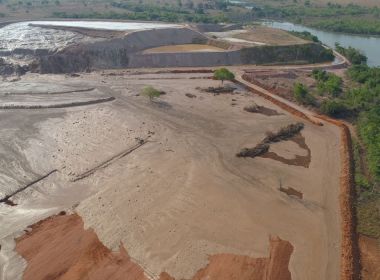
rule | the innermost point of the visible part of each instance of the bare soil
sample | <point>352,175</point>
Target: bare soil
<point>369,257</point>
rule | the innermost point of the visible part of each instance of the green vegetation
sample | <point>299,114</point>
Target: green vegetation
<point>150,92</point>
<point>306,36</point>
<point>360,103</point>
<point>223,74</point>
<point>354,26</point>
<point>302,95</point>
<point>352,54</point>
<point>153,12</point>
<point>333,108</point>
<point>328,83</point>
<point>369,131</point>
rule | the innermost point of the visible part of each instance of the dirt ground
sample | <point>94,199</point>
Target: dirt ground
<point>369,257</point>
<point>163,180</point>
<point>258,35</point>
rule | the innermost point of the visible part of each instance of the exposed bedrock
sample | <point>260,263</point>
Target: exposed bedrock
<point>8,69</point>
<point>127,52</point>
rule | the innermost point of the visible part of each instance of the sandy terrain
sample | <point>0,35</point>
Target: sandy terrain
<point>259,35</point>
<point>180,202</point>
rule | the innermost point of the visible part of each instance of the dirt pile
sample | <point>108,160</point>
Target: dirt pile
<point>60,248</point>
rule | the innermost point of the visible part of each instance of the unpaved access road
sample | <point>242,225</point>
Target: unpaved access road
<point>178,204</point>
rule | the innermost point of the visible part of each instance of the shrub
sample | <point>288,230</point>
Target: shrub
<point>260,149</point>
<point>355,56</point>
<point>302,95</point>
<point>284,133</point>
<point>150,92</point>
<point>333,108</point>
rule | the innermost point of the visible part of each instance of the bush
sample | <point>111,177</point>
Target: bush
<point>355,56</point>
<point>369,131</point>
<point>302,95</point>
<point>260,149</point>
<point>150,92</point>
<point>284,133</point>
<point>333,108</point>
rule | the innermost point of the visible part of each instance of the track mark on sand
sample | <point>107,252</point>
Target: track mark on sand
<point>109,161</point>
<point>7,197</point>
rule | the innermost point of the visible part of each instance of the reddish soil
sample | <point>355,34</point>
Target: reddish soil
<point>228,266</point>
<point>370,257</point>
<point>60,248</point>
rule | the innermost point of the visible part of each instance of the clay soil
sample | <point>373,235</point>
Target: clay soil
<point>182,205</point>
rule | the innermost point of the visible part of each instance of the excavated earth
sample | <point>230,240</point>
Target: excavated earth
<point>153,189</point>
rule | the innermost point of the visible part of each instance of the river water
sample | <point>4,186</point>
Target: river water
<point>369,45</point>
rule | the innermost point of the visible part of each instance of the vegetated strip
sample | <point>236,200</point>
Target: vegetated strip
<point>109,161</point>
<point>64,105</point>
<point>279,103</point>
<point>7,197</point>
<point>283,134</point>
<point>350,263</point>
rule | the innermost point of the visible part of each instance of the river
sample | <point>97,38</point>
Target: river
<point>369,45</point>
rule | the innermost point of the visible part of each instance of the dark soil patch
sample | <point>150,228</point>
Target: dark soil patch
<point>285,133</point>
<point>298,160</point>
<point>291,192</point>
<point>10,202</point>
<point>261,110</point>
<point>220,90</point>
<point>190,95</point>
